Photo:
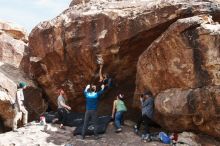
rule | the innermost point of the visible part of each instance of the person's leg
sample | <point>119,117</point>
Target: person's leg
<point>147,122</point>
<point>122,118</point>
<point>64,116</point>
<point>95,120</point>
<point>24,115</point>
<point>15,120</point>
<point>118,120</point>
<point>139,122</point>
<point>154,124</point>
<point>61,116</point>
<point>85,124</point>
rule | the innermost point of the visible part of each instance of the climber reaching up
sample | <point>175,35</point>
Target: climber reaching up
<point>100,62</point>
<point>92,97</point>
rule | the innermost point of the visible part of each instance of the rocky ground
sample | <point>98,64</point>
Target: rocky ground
<point>51,135</point>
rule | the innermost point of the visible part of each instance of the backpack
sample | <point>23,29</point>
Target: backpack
<point>164,138</point>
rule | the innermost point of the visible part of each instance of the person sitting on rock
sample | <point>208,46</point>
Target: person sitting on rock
<point>91,108</point>
<point>147,109</point>
<point>118,111</point>
<point>63,108</point>
<point>18,106</point>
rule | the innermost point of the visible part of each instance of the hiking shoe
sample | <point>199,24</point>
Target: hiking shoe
<point>118,130</point>
<point>62,127</point>
<point>147,138</point>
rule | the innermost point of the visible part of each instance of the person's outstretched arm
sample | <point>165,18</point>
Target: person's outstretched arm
<point>86,89</point>
<point>141,100</point>
<point>113,108</point>
<point>64,105</point>
<point>101,91</point>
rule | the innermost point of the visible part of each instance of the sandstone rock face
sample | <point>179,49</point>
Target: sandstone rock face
<point>77,2</point>
<point>190,109</point>
<point>64,49</point>
<point>184,61</point>
<point>11,50</point>
<point>185,56</point>
<point>14,31</point>
<point>13,60</point>
<point>63,52</point>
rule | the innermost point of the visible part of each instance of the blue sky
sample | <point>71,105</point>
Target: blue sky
<point>28,13</point>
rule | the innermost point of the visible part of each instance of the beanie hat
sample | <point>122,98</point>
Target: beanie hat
<point>22,84</point>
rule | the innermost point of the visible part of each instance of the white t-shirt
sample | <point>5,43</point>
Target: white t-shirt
<point>59,100</point>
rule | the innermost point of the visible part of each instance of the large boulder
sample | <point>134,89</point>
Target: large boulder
<point>63,50</point>
<point>14,31</point>
<point>184,61</point>
<point>185,56</point>
<point>13,63</point>
<point>189,109</point>
<point>11,50</point>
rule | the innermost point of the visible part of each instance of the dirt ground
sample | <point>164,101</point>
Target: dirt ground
<point>51,135</point>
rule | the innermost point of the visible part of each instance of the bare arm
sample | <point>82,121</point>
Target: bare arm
<point>62,103</point>
<point>113,108</point>
<point>86,89</point>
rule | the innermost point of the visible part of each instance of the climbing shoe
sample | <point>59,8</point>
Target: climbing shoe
<point>118,130</point>
<point>146,138</point>
<point>135,129</point>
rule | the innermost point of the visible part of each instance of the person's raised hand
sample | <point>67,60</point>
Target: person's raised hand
<point>103,86</point>
<point>88,86</point>
<point>141,99</point>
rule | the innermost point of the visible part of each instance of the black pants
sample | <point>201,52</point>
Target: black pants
<point>93,115</point>
<point>146,121</point>
<point>62,114</point>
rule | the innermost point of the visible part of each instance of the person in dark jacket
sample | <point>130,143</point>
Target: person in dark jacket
<point>147,109</point>
<point>92,98</point>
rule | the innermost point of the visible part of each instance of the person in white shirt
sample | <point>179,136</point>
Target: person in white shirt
<point>19,107</point>
<point>63,108</point>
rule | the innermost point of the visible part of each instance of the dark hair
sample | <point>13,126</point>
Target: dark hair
<point>59,90</point>
<point>121,96</point>
<point>149,93</point>
<point>92,88</point>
